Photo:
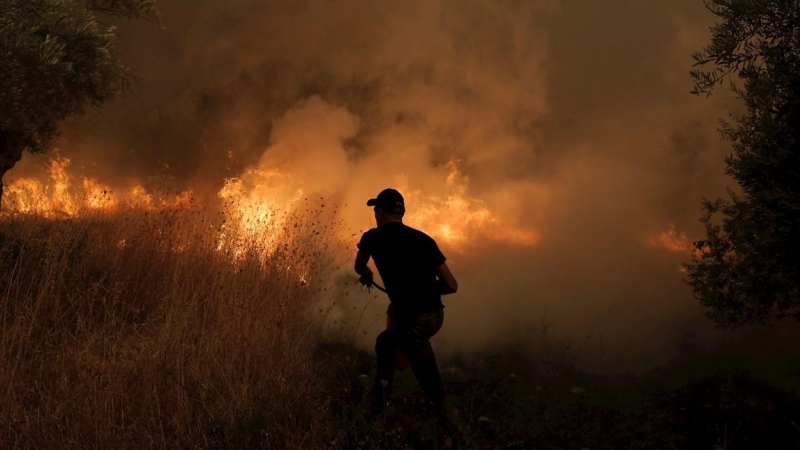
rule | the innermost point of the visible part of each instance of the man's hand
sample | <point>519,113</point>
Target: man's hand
<point>366,277</point>
<point>362,258</point>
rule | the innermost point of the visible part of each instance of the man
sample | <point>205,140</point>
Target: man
<point>415,276</point>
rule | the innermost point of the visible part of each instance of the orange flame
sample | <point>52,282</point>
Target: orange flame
<point>257,204</point>
<point>58,195</point>
<point>29,195</point>
<point>671,240</point>
<point>459,219</point>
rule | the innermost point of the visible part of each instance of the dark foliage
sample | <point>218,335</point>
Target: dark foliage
<point>747,269</point>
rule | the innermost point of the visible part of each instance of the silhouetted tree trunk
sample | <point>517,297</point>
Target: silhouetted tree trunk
<point>10,154</point>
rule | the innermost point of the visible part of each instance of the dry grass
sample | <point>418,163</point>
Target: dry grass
<point>137,330</point>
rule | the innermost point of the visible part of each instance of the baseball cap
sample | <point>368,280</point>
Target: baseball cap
<point>389,201</point>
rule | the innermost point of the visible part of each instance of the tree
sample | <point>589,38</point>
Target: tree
<point>747,269</point>
<point>56,60</point>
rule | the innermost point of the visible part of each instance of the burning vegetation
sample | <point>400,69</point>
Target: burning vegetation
<point>256,205</point>
<point>59,194</point>
<point>144,323</point>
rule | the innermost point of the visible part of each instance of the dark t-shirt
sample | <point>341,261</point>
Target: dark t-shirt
<point>407,260</point>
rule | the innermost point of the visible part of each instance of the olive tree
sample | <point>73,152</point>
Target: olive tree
<point>747,269</point>
<point>56,60</point>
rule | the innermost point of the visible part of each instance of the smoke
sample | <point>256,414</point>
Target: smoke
<point>568,122</point>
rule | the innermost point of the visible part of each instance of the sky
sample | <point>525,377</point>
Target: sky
<point>551,147</point>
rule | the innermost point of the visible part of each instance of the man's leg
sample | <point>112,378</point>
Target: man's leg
<point>385,346</point>
<point>415,343</point>
<point>414,340</point>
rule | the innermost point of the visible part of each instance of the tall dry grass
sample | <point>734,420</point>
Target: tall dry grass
<point>140,330</point>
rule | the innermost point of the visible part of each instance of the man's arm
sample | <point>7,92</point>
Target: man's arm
<point>362,258</point>
<point>447,282</point>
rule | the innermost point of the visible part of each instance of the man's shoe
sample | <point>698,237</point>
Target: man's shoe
<point>376,406</point>
<point>454,438</point>
<point>379,398</point>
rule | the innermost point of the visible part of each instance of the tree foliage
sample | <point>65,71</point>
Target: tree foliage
<point>56,60</point>
<point>747,269</point>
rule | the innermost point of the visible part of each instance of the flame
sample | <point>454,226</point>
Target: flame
<point>60,178</point>
<point>30,195</point>
<point>257,205</point>
<point>459,219</point>
<point>675,241</point>
<point>255,210</point>
<point>59,196</point>
<point>98,195</point>
<point>671,240</point>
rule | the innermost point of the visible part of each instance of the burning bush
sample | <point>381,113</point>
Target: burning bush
<point>137,328</point>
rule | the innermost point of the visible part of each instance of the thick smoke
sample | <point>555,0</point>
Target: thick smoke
<point>569,118</point>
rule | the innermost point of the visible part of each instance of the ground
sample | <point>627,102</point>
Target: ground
<point>511,400</point>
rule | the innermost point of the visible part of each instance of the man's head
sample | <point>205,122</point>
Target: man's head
<point>389,206</point>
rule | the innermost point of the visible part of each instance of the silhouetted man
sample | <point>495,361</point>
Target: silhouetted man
<point>415,276</point>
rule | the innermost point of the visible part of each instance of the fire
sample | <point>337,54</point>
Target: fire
<point>676,241</point>
<point>459,219</point>
<point>29,195</point>
<point>671,240</point>
<point>98,195</point>
<point>255,207</point>
<point>59,196</point>
<point>253,211</point>
<point>258,207</point>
